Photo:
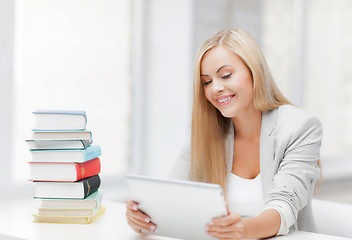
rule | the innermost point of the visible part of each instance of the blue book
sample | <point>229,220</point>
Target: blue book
<point>60,120</point>
<point>67,155</point>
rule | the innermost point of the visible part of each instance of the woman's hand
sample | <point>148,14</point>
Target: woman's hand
<point>137,220</point>
<point>227,227</point>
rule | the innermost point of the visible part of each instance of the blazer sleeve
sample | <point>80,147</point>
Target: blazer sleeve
<point>293,184</point>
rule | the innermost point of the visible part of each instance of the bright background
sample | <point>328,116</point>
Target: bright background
<point>128,64</point>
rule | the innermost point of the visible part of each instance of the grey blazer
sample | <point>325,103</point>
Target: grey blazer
<point>290,141</point>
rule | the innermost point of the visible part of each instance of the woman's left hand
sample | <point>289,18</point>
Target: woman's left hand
<point>227,227</point>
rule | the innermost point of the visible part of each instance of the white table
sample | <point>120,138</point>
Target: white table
<point>16,220</point>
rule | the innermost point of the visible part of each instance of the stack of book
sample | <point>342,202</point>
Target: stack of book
<point>65,168</point>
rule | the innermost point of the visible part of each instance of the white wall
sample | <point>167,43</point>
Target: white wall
<point>162,105</point>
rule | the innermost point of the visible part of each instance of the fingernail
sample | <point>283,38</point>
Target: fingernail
<point>134,207</point>
<point>147,220</point>
<point>211,222</point>
<point>152,228</point>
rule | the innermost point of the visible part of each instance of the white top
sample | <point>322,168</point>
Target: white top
<point>245,196</point>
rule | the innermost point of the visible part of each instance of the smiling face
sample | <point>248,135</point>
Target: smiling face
<point>227,81</point>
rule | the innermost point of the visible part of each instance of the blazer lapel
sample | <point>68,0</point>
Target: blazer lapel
<point>266,151</point>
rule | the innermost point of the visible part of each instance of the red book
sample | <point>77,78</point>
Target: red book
<point>63,171</point>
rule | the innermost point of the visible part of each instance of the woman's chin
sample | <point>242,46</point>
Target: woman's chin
<point>227,114</point>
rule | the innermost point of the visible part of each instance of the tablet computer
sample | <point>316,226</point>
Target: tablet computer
<point>180,209</point>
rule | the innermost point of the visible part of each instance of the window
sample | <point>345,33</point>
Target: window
<point>324,82</point>
<point>329,77</point>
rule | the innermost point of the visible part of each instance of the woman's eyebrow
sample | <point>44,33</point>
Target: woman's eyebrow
<point>221,68</point>
<point>205,75</point>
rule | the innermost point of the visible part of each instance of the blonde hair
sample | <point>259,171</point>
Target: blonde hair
<point>209,127</point>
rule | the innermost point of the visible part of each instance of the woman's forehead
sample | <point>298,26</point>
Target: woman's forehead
<point>217,57</point>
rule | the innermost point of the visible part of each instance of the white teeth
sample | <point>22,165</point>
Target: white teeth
<point>224,99</point>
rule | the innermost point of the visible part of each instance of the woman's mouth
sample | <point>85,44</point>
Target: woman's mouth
<point>224,99</point>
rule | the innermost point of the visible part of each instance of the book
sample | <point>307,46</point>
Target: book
<point>60,120</point>
<point>69,135</point>
<point>77,212</point>
<point>66,155</point>
<point>46,144</point>
<point>64,171</point>
<point>92,201</point>
<point>80,189</point>
<point>68,219</point>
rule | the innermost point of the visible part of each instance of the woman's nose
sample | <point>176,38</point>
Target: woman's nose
<point>218,86</point>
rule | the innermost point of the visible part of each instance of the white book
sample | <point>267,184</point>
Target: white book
<point>68,219</point>
<point>70,135</point>
<point>92,201</point>
<point>76,212</point>
<point>43,144</point>
<point>60,120</point>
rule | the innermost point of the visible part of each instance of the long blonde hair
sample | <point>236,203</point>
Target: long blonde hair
<point>209,127</point>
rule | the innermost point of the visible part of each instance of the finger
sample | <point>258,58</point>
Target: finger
<point>136,227</point>
<point>226,220</point>
<point>139,215</point>
<point>235,231</point>
<point>138,224</point>
<point>218,228</point>
<point>236,227</point>
<point>132,205</point>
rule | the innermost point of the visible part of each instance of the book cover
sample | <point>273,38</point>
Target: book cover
<point>47,144</point>
<point>80,189</point>
<point>70,135</point>
<point>67,155</point>
<point>63,172</point>
<point>68,219</point>
<point>92,201</point>
<point>60,120</point>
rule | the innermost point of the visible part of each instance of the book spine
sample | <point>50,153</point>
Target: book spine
<point>91,152</point>
<point>87,169</point>
<point>86,143</point>
<point>90,185</point>
<point>85,123</point>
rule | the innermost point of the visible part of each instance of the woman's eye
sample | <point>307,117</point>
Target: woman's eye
<point>207,82</point>
<point>226,76</point>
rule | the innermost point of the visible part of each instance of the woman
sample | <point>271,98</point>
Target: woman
<point>246,135</point>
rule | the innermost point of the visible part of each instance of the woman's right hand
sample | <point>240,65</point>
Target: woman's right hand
<point>137,220</point>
